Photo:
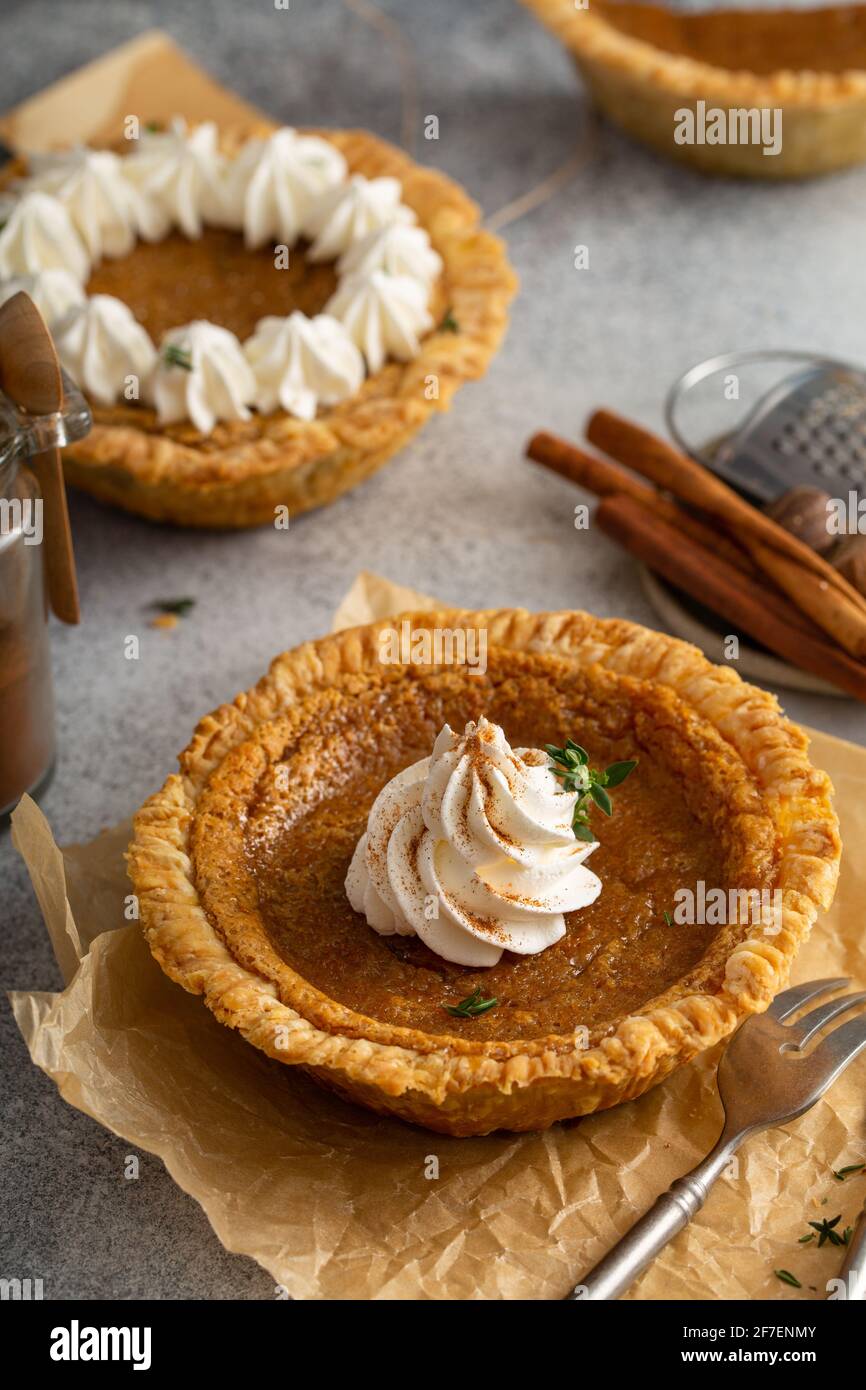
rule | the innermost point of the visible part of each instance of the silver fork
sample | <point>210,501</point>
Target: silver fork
<point>765,1079</point>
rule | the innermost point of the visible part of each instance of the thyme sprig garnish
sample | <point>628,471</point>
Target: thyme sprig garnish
<point>571,765</point>
<point>472,1006</point>
<point>176,356</point>
<point>826,1231</point>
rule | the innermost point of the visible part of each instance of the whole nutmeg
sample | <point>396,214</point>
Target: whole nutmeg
<point>803,512</point>
<point>849,558</point>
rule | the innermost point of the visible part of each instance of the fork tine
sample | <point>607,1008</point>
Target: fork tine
<point>791,1000</point>
<point>842,1046</point>
<point>806,1027</point>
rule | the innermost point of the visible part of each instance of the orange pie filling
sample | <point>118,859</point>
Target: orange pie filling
<point>278,822</point>
<point>831,39</point>
<point>215,277</point>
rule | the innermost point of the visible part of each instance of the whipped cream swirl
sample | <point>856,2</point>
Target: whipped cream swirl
<point>39,235</point>
<point>202,376</point>
<point>180,173</point>
<point>384,314</point>
<point>54,292</point>
<point>353,210</point>
<point>301,363</point>
<point>397,249</point>
<point>271,187</point>
<point>472,850</point>
<point>107,211</point>
<point>105,349</point>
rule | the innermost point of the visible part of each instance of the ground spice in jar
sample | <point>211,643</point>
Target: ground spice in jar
<point>26,695</point>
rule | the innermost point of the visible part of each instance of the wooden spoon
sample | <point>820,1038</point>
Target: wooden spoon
<point>30,376</point>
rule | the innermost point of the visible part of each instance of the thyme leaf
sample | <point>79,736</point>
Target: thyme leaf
<point>472,1006</point>
<point>571,765</point>
<point>826,1230</point>
<point>840,1174</point>
<point>179,606</point>
<point>175,356</point>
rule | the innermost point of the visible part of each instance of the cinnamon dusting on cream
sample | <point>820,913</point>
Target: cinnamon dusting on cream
<point>472,850</point>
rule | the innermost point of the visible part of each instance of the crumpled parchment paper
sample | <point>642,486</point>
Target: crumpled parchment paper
<point>336,1202</point>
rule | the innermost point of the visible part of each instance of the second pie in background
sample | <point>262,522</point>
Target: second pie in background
<point>259,319</point>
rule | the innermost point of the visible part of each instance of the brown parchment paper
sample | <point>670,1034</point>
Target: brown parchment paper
<point>149,77</point>
<point>338,1203</point>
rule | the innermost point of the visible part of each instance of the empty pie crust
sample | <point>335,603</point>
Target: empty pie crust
<point>241,472</point>
<point>238,865</point>
<point>643,63</point>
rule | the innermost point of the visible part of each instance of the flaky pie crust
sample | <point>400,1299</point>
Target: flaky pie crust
<point>237,476</point>
<point>641,84</point>
<point>448,1083</point>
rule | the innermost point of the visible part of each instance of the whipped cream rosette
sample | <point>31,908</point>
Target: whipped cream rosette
<point>352,211</point>
<point>107,211</point>
<point>54,292</point>
<point>180,172</point>
<point>301,363</point>
<point>384,314</point>
<point>203,376</point>
<point>101,345</point>
<point>398,249</point>
<point>473,850</point>
<point>273,185</point>
<point>38,234</point>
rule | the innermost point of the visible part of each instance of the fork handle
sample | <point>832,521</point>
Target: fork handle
<point>665,1219</point>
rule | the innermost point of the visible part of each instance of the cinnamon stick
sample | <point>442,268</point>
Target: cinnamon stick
<point>721,587</point>
<point>599,476</point>
<point>811,583</point>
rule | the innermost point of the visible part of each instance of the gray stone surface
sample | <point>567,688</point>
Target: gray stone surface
<point>680,268</point>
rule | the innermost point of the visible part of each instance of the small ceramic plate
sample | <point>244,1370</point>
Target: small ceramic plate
<point>695,624</point>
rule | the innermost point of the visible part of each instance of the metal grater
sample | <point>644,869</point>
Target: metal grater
<point>808,429</point>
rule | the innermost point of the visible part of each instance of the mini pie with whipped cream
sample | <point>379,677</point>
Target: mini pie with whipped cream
<point>393,875</point>
<point>258,321</point>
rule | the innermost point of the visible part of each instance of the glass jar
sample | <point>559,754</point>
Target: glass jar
<point>26,691</point>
